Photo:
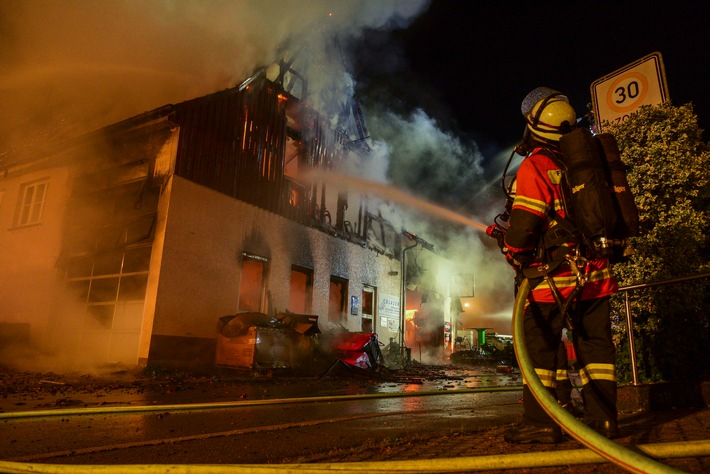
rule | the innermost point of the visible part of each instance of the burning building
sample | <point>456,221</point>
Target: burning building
<point>126,245</point>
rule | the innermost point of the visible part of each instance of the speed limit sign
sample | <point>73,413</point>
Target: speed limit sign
<point>617,95</point>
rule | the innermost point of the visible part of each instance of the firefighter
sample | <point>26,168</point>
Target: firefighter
<point>538,193</point>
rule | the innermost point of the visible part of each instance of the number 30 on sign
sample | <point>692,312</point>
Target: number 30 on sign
<point>617,95</point>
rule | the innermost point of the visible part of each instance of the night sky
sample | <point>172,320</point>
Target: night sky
<point>469,64</point>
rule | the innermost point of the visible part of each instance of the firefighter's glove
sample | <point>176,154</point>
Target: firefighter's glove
<point>518,260</point>
<point>510,258</point>
<point>498,233</point>
<point>501,245</point>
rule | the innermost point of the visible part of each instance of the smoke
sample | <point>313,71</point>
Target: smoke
<point>77,65</point>
<point>74,66</point>
<point>431,182</point>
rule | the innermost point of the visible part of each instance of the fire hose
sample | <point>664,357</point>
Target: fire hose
<point>599,447</point>
<point>624,457</point>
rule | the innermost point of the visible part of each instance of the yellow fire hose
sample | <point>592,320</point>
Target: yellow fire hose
<point>124,410</point>
<point>600,449</point>
<point>444,465</point>
<point>623,457</point>
<point>496,462</point>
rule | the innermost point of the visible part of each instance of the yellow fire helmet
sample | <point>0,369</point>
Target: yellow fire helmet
<point>548,114</point>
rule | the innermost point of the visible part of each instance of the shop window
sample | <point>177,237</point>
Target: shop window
<point>253,282</point>
<point>100,317</point>
<point>111,287</point>
<point>103,289</point>
<point>136,259</point>
<point>133,287</point>
<point>337,299</point>
<point>301,291</point>
<point>108,263</point>
<point>31,203</point>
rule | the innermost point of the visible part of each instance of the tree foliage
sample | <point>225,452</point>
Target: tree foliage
<point>668,164</point>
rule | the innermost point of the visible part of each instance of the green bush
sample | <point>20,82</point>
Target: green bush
<point>668,164</point>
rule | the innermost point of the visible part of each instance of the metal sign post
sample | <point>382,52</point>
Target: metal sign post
<point>619,94</point>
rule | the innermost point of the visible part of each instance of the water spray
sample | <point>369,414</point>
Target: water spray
<point>388,192</point>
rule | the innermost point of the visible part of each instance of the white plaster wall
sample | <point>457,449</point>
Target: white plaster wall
<point>29,254</point>
<point>206,233</point>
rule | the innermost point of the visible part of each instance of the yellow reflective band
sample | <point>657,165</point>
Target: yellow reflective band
<point>532,204</point>
<point>598,275</point>
<point>597,372</point>
<point>547,377</point>
<point>560,282</point>
<point>571,281</point>
<point>561,374</point>
<point>583,376</point>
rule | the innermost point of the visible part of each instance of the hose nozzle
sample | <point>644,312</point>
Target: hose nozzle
<point>497,232</point>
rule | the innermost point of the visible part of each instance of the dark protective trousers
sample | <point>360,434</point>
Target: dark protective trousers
<point>542,326</point>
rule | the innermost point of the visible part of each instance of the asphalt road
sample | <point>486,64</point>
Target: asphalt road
<point>249,434</point>
<point>184,423</point>
<point>267,421</point>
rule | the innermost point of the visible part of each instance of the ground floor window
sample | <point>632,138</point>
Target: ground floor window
<point>301,290</point>
<point>369,296</point>
<point>337,300</point>
<point>107,294</point>
<point>252,287</point>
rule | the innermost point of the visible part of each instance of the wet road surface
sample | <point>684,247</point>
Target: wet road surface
<point>457,425</point>
<point>250,434</point>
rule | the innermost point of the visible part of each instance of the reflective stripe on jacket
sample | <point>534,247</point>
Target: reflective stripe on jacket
<point>538,192</point>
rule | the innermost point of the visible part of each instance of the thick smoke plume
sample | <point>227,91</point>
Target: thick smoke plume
<point>73,66</point>
<point>77,65</point>
<point>439,167</point>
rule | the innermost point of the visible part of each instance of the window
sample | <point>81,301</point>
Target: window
<point>253,284</point>
<point>337,299</point>
<point>292,156</point>
<point>30,204</point>
<point>368,308</point>
<point>108,279</point>
<point>110,287</point>
<point>301,292</point>
<point>462,285</point>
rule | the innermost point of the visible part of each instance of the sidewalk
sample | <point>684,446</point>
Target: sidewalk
<point>649,414</point>
<point>636,429</point>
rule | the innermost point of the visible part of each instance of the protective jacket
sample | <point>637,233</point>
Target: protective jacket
<point>538,195</point>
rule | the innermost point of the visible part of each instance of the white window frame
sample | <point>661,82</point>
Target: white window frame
<point>30,208</point>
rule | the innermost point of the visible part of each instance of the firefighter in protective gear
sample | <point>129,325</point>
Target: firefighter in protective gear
<point>548,116</point>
